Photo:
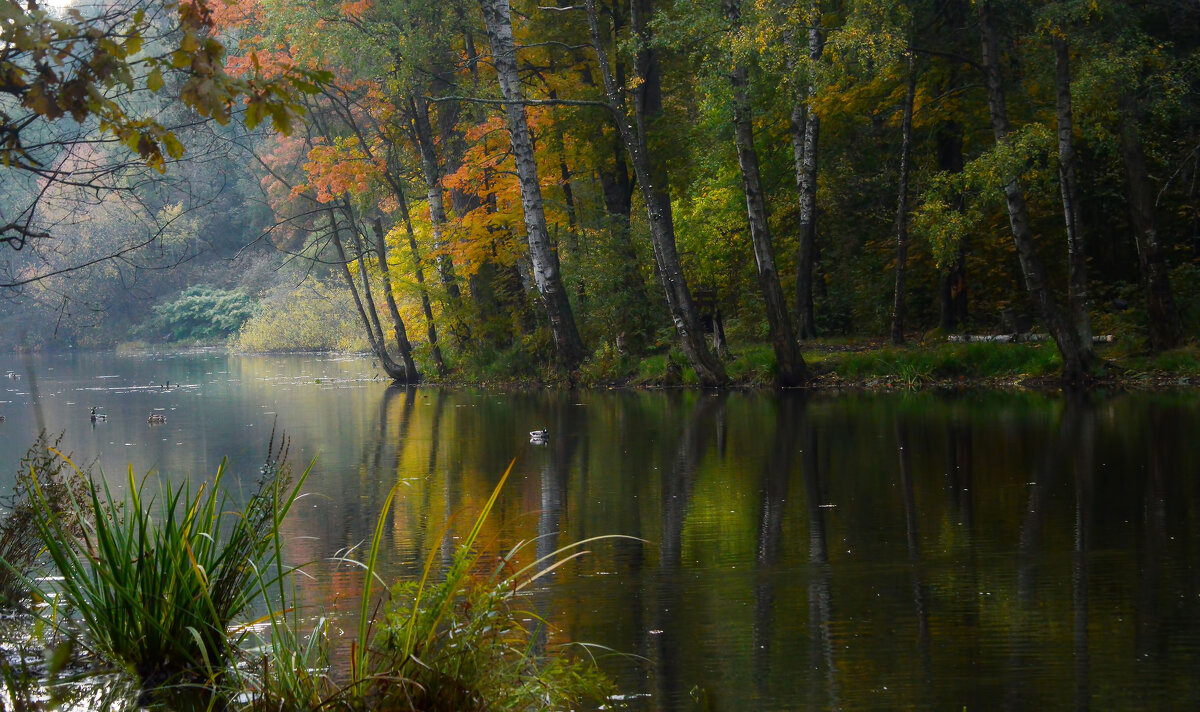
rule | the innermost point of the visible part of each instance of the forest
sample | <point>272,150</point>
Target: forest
<point>506,190</point>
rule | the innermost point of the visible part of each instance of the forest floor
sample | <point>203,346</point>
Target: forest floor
<point>877,365</point>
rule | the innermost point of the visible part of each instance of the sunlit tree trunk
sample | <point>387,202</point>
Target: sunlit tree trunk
<point>366,311</point>
<point>426,307</point>
<point>899,305</point>
<point>545,260</point>
<point>1076,356</point>
<point>791,367</point>
<point>653,184</point>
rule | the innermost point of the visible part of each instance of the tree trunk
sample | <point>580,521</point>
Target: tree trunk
<point>1166,330</point>
<point>805,131</point>
<point>653,185</point>
<point>1077,283</point>
<point>952,285</point>
<point>792,370</point>
<point>545,261</point>
<point>374,336</point>
<point>422,134</point>
<point>401,333</point>
<point>1076,356</point>
<point>899,306</point>
<point>426,308</point>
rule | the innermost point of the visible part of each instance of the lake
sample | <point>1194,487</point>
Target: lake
<point>973,550</point>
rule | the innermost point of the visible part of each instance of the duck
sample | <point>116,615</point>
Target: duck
<point>156,418</point>
<point>12,375</point>
<point>536,436</point>
<point>1,418</point>
<point>97,417</point>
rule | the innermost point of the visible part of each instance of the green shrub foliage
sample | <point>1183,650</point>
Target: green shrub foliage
<point>201,313</point>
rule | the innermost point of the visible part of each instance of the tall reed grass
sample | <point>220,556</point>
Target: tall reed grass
<point>458,641</point>
<point>152,582</point>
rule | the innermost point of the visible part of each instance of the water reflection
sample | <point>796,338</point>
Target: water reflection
<point>796,551</point>
<point>1079,436</point>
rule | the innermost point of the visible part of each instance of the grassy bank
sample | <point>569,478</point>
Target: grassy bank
<point>874,364</point>
<point>835,363</point>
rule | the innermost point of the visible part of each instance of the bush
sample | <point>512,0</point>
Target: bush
<point>45,483</point>
<point>314,317</point>
<point>200,313</point>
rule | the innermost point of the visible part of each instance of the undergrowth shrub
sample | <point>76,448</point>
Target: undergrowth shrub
<point>56,489</point>
<point>200,313</point>
<point>313,317</point>
<point>973,360</point>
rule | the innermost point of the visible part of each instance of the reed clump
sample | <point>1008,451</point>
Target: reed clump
<point>452,643</point>
<point>152,582</point>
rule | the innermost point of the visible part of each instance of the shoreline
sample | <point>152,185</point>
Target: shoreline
<point>857,365</point>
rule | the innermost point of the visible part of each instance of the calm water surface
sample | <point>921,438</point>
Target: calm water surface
<point>977,551</point>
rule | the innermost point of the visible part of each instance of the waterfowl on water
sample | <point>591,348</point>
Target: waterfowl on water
<point>12,374</point>
<point>156,418</point>
<point>1,418</point>
<point>539,436</point>
<point>97,416</point>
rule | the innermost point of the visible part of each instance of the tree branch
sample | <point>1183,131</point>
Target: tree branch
<point>524,102</point>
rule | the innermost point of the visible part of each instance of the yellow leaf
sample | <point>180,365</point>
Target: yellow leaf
<point>154,81</point>
<point>173,146</point>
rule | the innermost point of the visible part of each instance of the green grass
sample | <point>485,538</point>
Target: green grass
<point>157,585</point>
<point>753,364</point>
<point>1183,362</point>
<point>917,366</point>
<point>153,582</point>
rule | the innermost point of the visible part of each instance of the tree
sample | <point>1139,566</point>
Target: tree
<point>1077,355</point>
<point>1077,281</point>
<point>899,303</point>
<point>805,135</point>
<point>651,178</point>
<point>98,70</point>
<point>790,362</point>
<point>496,14</point>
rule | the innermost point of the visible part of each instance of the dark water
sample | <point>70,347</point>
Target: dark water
<point>968,551</point>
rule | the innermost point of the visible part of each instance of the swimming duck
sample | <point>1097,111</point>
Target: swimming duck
<point>156,418</point>
<point>96,417</point>
<point>539,436</point>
